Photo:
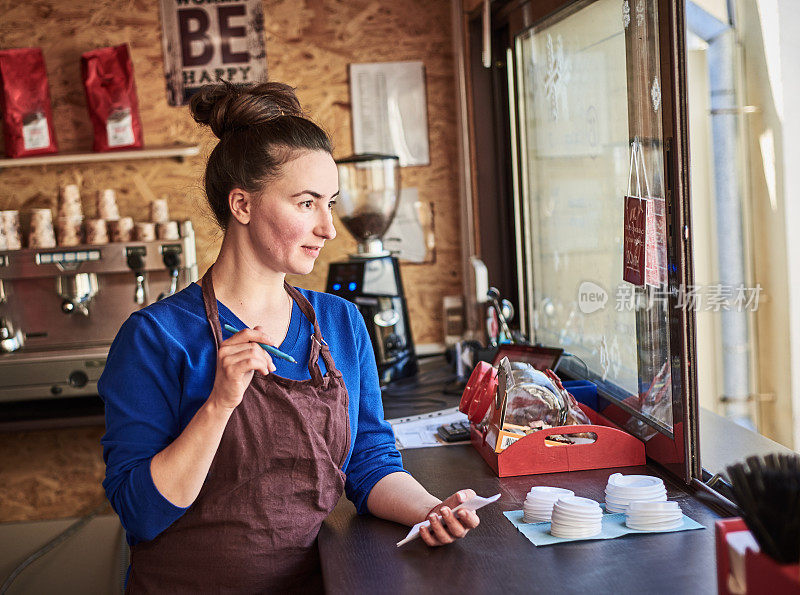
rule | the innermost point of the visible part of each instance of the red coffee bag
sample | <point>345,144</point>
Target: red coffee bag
<point>111,97</point>
<point>25,102</point>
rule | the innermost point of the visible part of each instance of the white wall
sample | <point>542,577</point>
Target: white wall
<point>789,41</point>
<point>704,236</point>
<point>771,55</point>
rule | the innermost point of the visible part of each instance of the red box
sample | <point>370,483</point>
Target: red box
<point>764,575</point>
<point>531,455</point>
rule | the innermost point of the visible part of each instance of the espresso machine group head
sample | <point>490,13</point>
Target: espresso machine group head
<point>60,308</point>
<point>77,290</point>
<point>369,192</point>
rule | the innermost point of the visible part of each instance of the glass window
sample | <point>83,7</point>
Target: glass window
<point>588,100</point>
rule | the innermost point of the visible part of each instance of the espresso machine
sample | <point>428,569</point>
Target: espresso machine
<point>60,309</point>
<point>369,192</point>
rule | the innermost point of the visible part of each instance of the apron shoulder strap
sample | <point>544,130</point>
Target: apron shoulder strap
<point>210,302</point>
<point>318,344</point>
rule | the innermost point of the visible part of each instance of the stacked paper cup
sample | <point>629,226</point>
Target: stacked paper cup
<point>159,215</point>
<point>70,216</point>
<point>69,202</point>
<point>9,230</point>
<point>539,503</point>
<point>107,205</point>
<point>159,210</point>
<point>575,517</point>
<point>120,230</point>
<point>9,223</point>
<point>145,231</point>
<point>168,230</point>
<point>41,231</point>
<point>96,231</point>
<point>622,490</point>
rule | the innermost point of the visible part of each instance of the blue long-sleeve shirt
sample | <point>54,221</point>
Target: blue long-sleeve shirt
<point>160,370</point>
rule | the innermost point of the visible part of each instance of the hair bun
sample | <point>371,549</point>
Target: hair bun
<point>225,106</point>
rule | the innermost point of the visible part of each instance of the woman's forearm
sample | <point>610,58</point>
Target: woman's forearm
<point>399,497</point>
<point>180,469</point>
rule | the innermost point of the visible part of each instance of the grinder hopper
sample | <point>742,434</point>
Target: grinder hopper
<point>369,193</point>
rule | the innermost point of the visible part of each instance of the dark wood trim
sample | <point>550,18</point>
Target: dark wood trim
<point>491,153</point>
<point>676,162</point>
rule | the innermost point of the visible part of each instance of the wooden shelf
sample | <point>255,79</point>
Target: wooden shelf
<point>179,152</point>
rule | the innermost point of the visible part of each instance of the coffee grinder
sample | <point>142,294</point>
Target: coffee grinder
<point>369,193</point>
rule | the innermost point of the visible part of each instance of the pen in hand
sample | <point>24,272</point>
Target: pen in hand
<point>268,348</point>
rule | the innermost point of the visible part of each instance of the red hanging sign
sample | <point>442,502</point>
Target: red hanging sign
<point>634,241</point>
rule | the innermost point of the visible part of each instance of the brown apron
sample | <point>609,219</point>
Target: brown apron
<point>275,477</point>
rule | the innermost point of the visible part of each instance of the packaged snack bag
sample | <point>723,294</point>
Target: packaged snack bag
<point>25,102</point>
<point>111,98</point>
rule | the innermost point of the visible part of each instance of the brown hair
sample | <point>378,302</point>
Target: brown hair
<point>260,126</point>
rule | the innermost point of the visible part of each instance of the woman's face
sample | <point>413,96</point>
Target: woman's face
<point>292,218</point>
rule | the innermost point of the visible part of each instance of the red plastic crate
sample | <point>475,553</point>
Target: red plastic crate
<point>531,455</point>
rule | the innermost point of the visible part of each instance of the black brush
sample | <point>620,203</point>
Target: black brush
<point>767,490</point>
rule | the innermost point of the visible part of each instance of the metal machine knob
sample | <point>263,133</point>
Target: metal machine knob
<point>171,260</point>
<point>5,330</point>
<point>135,261</point>
<point>10,339</point>
<point>78,379</point>
<point>394,342</point>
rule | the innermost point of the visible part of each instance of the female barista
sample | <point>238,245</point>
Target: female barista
<point>222,462</point>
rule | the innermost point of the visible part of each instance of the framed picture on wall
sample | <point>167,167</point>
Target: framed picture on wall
<point>204,43</point>
<point>390,110</point>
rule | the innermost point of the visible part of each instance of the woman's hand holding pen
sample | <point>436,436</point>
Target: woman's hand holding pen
<point>238,358</point>
<point>181,468</point>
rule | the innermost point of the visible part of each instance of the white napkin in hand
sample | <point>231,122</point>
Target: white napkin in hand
<point>473,503</point>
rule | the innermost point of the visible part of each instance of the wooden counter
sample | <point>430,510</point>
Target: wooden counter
<point>359,554</point>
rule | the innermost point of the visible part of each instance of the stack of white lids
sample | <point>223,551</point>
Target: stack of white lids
<point>624,489</point>
<point>654,516</point>
<point>575,517</point>
<point>539,503</point>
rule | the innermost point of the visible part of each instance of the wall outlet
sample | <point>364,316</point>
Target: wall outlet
<point>453,319</point>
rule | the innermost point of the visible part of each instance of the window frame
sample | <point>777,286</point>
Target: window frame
<point>677,451</point>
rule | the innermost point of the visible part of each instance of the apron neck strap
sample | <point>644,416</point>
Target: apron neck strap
<point>210,301</point>
<point>318,344</point>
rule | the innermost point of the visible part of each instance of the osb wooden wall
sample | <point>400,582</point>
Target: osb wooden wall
<point>56,473</point>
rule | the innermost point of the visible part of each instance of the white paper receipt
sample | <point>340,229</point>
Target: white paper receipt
<point>474,503</point>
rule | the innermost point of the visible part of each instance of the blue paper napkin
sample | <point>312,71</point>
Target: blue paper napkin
<point>613,526</point>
